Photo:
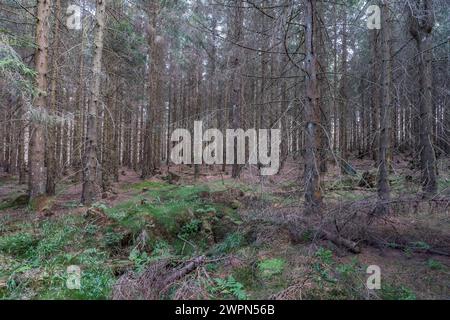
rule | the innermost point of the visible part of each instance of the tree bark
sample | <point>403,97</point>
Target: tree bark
<point>384,139</point>
<point>421,25</point>
<point>236,81</point>
<point>52,164</point>
<point>343,105</point>
<point>313,193</point>
<point>37,180</point>
<point>153,128</point>
<point>91,168</point>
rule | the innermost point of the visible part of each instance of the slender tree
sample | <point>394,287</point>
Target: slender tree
<point>52,164</point>
<point>91,170</point>
<point>37,179</point>
<point>383,146</point>
<point>421,19</point>
<point>313,193</point>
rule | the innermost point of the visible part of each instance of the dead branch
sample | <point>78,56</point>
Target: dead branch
<point>180,273</point>
<point>337,239</point>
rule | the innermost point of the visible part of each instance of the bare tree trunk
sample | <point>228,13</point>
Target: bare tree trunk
<point>91,164</point>
<point>153,129</point>
<point>21,145</point>
<point>77,145</point>
<point>375,99</point>
<point>335,80</point>
<point>421,25</point>
<point>236,81</point>
<point>313,193</point>
<point>343,117</point>
<point>322,63</point>
<point>386,76</point>
<point>65,128</point>
<point>8,135</point>
<point>197,104</point>
<point>36,157</point>
<point>52,164</point>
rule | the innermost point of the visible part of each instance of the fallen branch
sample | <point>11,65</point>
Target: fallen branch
<point>348,244</point>
<point>400,246</point>
<point>180,273</point>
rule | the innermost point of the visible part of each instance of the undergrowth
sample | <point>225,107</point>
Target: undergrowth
<point>164,222</point>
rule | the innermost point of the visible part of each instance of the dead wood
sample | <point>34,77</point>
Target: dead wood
<point>340,241</point>
<point>180,273</point>
<point>154,281</point>
<point>401,246</point>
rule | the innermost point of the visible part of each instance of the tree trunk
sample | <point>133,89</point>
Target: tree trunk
<point>37,180</point>
<point>236,82</point>
<point>313,193</point>
<point>375,101</point>
<point>322,64</point>
<point>52,164</point>
<point>91,163</point>
<point>386,76</point>
<point>343,95</point>
<point>77,138</point>
<point>153,129</point>
<point>421,25</point>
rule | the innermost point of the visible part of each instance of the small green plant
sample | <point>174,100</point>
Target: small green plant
<point>96,283</point>
<point>112,239</point>
<point>323,265</point>
<point>140,259</point>
<point>247,275</point>
<point>207,209</point>
<point>91,229</point>
<point>190,228</point>
<point>307,235</point>
<point>100,205</point>
<point>271,267</point>
<point>230,243</point>
<point>229,287</point>
<point>347,270</point>
<point>56,235</point>
<point>211,267</point>
<point>420,245</point>
<point>434,264</point>
<point>161,249</point>
<point>72,204</point>
<point>91,257</point>
<point>7,205</point>
<point>17,244</point>
<point>408,252</point>
<point>324,255</point>
<point>391,292</point>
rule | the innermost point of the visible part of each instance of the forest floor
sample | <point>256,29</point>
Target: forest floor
<point>171,237</point>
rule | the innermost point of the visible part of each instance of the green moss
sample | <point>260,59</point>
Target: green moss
<point>162,206</point>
